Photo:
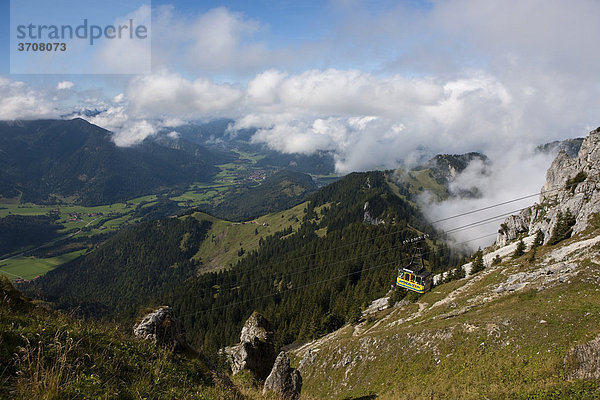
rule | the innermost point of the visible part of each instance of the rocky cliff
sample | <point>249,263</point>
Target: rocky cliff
<point>525,327</point>
<point>256,351</point>
<point>570,146</point>
<point>572,188</point>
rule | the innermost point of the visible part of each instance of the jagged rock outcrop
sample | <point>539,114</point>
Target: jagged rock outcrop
<point>161,327</point>
<point>583,361</point>
<point>570,146</point>
<point>283,379</point>
<point>513,226</point>
<point>572,186</point>
<point>256,350</point>
<point>446,167</point>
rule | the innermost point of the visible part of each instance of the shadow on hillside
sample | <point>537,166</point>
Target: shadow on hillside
<point>367,397</point>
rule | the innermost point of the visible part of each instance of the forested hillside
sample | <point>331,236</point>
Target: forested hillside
<point>278,192</point>
<point>128,270</point>
<point>19,232</point>
<point>307,281</point>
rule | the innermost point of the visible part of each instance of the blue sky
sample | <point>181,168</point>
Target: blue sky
<point>280,25</point>
<point>284,22</point>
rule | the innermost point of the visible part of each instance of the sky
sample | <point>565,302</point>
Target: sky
<point>380,84</point>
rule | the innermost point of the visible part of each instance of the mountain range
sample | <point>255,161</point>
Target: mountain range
<point>320,265</point>
<point>54,160</point>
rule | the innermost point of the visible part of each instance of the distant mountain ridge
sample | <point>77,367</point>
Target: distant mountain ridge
<point>570,146</point>
<point>217,135</point>
<point>49,160</point>
<point>445,167</point>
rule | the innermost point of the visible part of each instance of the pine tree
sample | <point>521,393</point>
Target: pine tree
<point>395,296</point>
<point>539,238</point>
<point>563,228</point>
<point>537,242</point>
<point>531,258</point>
<point>520,250</point>
<point>478,264</point>
<point>355,314</point>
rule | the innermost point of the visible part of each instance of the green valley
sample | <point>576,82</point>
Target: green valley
<point>85,226</point>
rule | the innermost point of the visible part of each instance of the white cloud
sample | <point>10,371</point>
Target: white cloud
<point>134,133</point>
<point>368,121</point>
<point>517,172</point>
<point>373,122</point>
<point>18,101</point>
<point>125,55</point>
<point>168,94</point>
<point>263,89</point>
<point>113,118</point>
<point>218,38</point>
<point>127,130</point>
<point>172,122</point>
<point>64,85</point>
<point>162,100</point>
<point>215,42</point>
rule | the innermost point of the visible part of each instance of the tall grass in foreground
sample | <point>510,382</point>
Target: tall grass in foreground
<point>42,369</point>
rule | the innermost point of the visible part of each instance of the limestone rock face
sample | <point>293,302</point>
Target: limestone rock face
<point>257,328</point>
<point>570,146</point>
<point>256,350</point>
<point>513,226</point>
<point>572,184</point>
<point>283,379</point>
<point>583,361</point>
<point>161,327</point>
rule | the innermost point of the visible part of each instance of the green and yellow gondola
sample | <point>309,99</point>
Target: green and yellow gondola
<point>415,276</point>
<point>418,281</point>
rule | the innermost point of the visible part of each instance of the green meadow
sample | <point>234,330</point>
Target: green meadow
<point>30,267</point>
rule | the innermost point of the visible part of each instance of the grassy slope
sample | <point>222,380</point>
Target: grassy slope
<point>477,344</point>
<point>422,181</point>
<point>47,355</point>
<point>225,238</point>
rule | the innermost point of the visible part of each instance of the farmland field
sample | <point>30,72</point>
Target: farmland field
<point>30,267</point>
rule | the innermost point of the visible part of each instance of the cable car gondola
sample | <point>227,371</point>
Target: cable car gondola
<point>415,276</point>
